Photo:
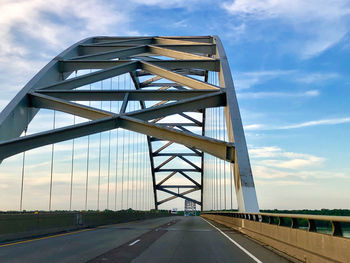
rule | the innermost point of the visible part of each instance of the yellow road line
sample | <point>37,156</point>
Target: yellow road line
<point>47,237</point>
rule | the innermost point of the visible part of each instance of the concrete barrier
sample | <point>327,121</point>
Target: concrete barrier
<point>25,225</point>
<point>305,245</point>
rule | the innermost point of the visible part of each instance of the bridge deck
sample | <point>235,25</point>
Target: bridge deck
<point>172,239</point>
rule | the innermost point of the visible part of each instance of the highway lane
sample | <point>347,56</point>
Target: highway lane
<point>171,239</point>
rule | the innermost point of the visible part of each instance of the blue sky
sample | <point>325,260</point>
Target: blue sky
<point>289,61</point>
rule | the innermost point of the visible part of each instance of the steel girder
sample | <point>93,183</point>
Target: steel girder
<point>140,57</point>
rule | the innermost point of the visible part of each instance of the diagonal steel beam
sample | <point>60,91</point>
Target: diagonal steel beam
<point>162,148</point>
<point>190,163</point>
<point>181,195</point>
<point>205,101</point>
<point>165,162</point>
<point>189,178</point>
<point>220,149</point>
<point>166,178</point>
<point>47,102</point>
<point>178,78</point>
<point>25,143</point>
<point>94,76</point>
<point>175,54</point>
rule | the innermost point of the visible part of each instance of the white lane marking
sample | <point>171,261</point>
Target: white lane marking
<point>133,243</point>
<point>234,242</point>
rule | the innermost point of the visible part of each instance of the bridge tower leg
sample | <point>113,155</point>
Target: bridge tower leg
<point>243,177</point>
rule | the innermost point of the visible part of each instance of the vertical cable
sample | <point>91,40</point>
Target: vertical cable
<point>99,162</point>
<point>138,171</point>
<point>87,162</point>
<point>133,165</point>
<point>128,171</point>
<point>109,152</point>
<point>123,149</point>
<point>116,157</point>
<point>22,179</point>
<point>224,131</point>
<point>116,169</point>
<point>52,156</point>
<point>71,172</point>
<point>231,175</point>
<point>144,173</point>
<point>72,165</point>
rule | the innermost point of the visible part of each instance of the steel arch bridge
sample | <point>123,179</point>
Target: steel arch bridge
<point>183,75</point>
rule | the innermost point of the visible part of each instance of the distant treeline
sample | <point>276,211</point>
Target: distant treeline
<point>328,212</point>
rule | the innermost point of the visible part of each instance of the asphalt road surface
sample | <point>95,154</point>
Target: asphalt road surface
<point>170,239</point>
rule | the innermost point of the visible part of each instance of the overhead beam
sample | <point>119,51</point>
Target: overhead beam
<point>127,40</point>
<point>169,41</point>
<point>72,65</point>
<point>119,53</point>
<point>176,186</point>
<point>209,49</point>
<point>118,95</point>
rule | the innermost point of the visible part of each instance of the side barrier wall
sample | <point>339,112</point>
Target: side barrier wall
<point>300,244</point>
<point>19,226</point>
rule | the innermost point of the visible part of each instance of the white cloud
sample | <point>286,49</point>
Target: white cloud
<point>317,77</point>
<point>318,122</point>
<point>274,165</point>
<point>52,25</point>
<point>278,158</point>
<point>299,125</point>
<point>319,23</point>
<point>166,4</point>
<point>245,80</point>
<point>261,95</point>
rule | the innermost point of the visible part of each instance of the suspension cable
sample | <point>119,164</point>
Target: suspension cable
<point>52,157</point>
<point>87,162</point>
<point>116,157</point>
<point>99,162</point>
<point>224,130</point>
<point>72,170</point>
<point>22,180</point>
<point>123,151</point>
<point>109,152</point>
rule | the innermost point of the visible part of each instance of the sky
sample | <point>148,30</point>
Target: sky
<point>289,61</point>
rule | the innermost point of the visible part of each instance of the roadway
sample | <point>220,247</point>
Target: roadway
<point>170,239</point>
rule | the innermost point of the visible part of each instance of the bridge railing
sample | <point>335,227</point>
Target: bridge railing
<point>309,238</point>
<point>333,225</point>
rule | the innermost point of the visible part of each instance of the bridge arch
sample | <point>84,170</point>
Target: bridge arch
<point>172,78</point>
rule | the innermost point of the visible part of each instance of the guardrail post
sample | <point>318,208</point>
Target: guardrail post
<point>336,229</point>
<point>280,221</point>
<point>295,223</point>
<point>312,225</point>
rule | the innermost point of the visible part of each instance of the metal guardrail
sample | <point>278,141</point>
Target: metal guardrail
<point>311,223</point>
<point>308,238</point>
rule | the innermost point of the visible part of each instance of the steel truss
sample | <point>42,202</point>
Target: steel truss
<point>174,59</point>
